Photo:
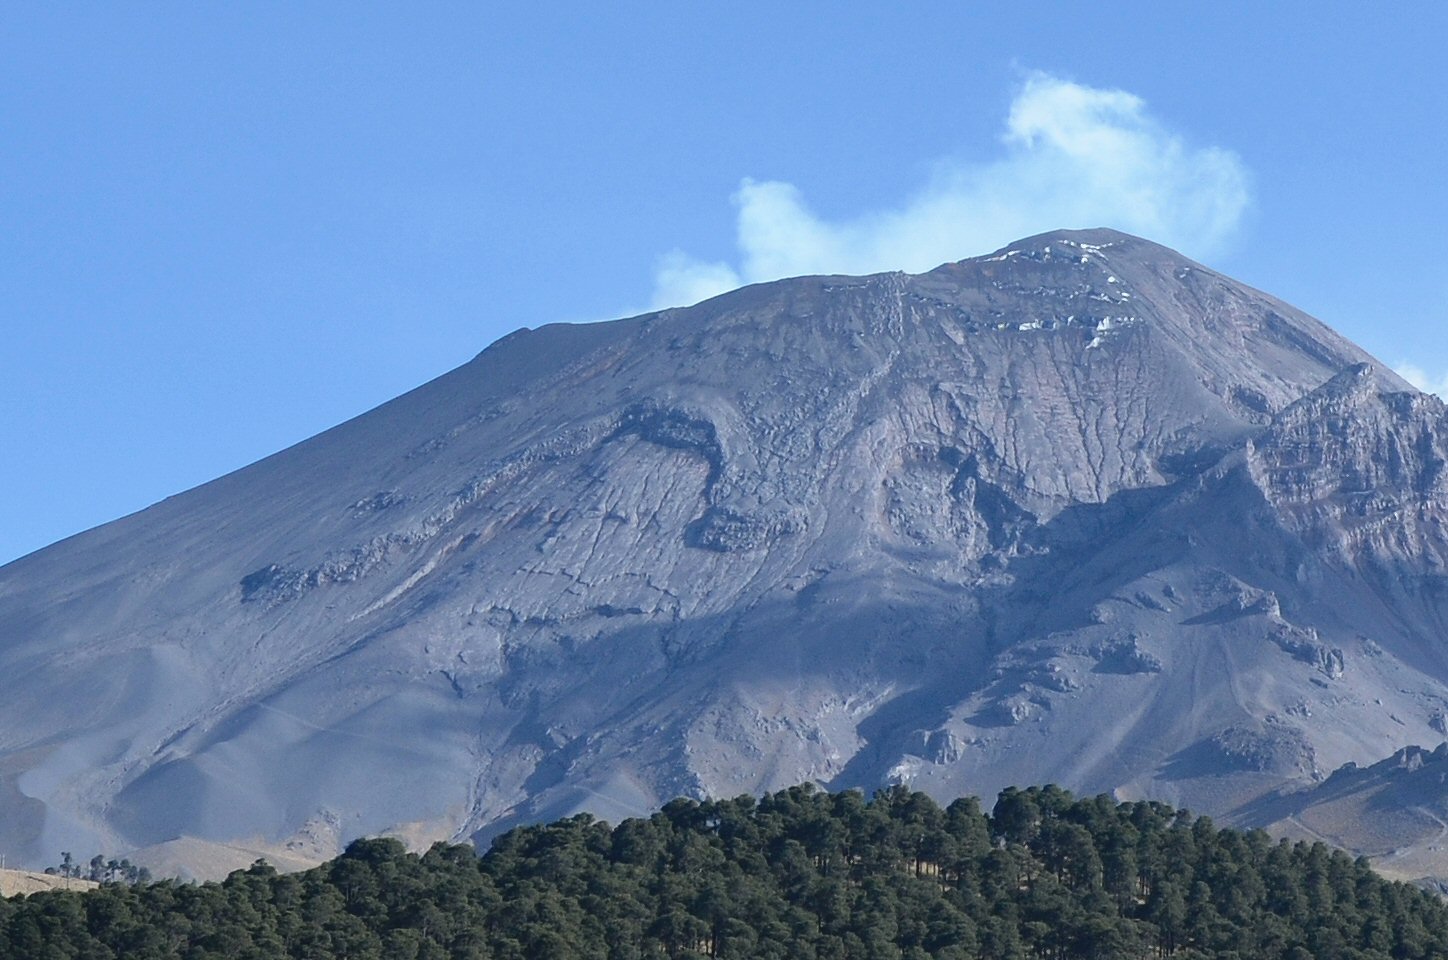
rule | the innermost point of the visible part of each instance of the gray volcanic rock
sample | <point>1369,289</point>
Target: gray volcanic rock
<point>1394,811</point>
<point>1081,511</point>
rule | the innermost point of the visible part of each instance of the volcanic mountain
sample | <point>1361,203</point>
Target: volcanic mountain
<point>1080,511</point>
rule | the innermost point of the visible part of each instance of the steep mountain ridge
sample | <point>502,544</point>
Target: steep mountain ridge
<point>974,527</point>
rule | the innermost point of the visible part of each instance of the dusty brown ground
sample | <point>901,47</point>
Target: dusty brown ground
<point>13,882</point>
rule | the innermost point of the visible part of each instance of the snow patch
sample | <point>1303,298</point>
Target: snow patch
<point>997,259</point>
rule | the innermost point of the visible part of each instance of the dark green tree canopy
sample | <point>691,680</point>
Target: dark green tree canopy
<point>796,874</point>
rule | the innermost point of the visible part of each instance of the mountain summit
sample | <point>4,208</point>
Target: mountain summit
<point>1081,511</point>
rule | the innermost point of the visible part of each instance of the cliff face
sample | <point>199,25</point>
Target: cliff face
<point>1080,511</point>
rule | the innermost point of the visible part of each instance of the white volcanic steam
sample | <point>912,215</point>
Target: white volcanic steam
<point>1073,154</point>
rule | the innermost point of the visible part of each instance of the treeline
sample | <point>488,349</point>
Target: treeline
<point>100,870</point>
<point>799,874</point>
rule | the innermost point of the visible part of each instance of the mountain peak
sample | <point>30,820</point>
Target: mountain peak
<point>1099,237</point>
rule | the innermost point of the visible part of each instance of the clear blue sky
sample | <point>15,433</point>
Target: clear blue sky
<point>225,227</point>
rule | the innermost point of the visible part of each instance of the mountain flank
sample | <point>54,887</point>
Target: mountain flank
<point>1080,511</point>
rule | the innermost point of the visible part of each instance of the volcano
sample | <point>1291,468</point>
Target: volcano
<point>1080,511</point>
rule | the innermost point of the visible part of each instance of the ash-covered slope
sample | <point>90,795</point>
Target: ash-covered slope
<point>1080,511</point>
<point>1394,811</point>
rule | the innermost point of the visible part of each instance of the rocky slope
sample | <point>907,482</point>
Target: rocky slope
<point>1081,510</point>
<point>1394,811</point>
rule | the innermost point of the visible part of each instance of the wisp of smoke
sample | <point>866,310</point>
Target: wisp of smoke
<point>1424,380</point>
<point>1073,156</point>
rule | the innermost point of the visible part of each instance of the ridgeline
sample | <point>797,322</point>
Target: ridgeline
<point>798,874</point>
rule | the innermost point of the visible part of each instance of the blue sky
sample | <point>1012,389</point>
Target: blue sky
<point>224,228</point>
